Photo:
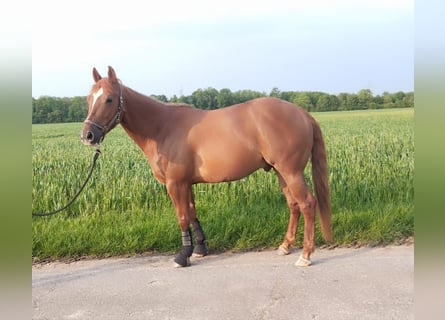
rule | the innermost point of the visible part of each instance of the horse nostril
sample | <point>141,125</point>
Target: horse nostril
<point>90,136</point>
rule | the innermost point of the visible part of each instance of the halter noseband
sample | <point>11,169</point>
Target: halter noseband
<point>117,117</point>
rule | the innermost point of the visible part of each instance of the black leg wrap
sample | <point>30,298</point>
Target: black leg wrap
<point>201,249</point>
<point>183,257</point>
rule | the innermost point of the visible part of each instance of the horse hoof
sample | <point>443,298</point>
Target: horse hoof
<point>200,251</point>
<point>282,251</point>
<point>303,262</point>
<point>181,262</point>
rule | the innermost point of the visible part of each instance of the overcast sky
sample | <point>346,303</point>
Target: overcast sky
<point>175,47</point>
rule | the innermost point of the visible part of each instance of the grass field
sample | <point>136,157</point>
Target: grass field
<point>123,210</point>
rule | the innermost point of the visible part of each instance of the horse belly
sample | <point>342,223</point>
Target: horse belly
<point>227,165</point>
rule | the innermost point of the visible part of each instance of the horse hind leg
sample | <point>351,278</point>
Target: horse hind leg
<point>294,217</point>
<point>307,205</point>
<point>201,249</point>
<point>306,202</point>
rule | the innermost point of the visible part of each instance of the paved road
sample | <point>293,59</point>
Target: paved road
<point>365,283</point>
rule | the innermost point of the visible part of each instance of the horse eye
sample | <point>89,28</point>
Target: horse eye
<point>109,100</point>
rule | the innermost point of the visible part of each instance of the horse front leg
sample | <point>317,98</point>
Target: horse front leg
<point>179,194</point>
<point>201,249</point>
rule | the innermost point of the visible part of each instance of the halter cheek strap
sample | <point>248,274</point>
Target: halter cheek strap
<point>115,120</point>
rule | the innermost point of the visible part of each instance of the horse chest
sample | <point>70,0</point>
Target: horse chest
<point>158,166</point>
<point>164,169</point>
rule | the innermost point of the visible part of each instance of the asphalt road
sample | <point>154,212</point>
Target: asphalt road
<point>364,283</point>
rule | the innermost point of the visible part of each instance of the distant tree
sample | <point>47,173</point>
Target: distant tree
<point>205,99</point>
<point>55,116</point>
<point>275,92</point>
<point>335,103</point>
<point>78,109</point>
<point>303,100</point>
<point>399,99</point>
<point>174,99</point>
<point>328,102</point>
<point>378,102</point>
<point>48,109</point>
<point>315,96</point>
<point>212,93</point>
<point>64,108</point>
<point>343,101</point>
<point>43,106</point>
<point>246,95</point>
<point>353,102</point>
<point>198,99</point>
<point>35,117</point>
<point>388,100</point>
<point>409,100</point>
<point>159,97</point>
<point>364,98</point>
<point>287,95</point>
<point>224,98</point>
<point>181,99</point>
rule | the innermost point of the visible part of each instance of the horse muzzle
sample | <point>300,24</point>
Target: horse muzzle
<point>91,135</point>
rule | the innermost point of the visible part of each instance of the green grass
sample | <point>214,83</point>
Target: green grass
<point>123,210</point>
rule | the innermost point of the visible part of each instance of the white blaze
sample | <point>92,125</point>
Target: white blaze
<point>96,96</point>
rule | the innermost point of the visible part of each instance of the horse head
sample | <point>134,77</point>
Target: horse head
<point>105,105</point>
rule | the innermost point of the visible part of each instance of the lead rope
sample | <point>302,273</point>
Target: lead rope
<point>93,163</point>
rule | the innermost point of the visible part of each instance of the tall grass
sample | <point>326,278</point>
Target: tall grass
<point>123,210</point>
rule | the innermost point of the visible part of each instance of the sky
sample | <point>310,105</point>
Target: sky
<point>175,47</point>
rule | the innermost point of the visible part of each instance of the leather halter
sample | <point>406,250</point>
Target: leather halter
<point>115,120</point>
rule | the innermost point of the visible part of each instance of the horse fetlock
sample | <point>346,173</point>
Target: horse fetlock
<point>200,250</point>
<point>182,261</point>
<point>303,262</point>
<point>183,257</point>
<point>283,250</point>
<point>187,250</point>
<point>308,247</point>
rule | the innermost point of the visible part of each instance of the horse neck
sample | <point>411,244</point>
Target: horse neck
<point>143,117</point>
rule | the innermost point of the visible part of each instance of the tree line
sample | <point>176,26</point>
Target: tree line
<point>46,109</point>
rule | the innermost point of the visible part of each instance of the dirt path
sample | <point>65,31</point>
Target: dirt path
<point>364,283</point>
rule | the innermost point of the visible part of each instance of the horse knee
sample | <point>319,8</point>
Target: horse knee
<point>300,197</point>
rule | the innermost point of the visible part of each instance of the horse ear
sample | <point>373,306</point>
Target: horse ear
<point>111,74</point>
<point>96,75</point>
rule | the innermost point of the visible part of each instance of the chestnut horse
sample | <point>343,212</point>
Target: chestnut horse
<point>185,146</point>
